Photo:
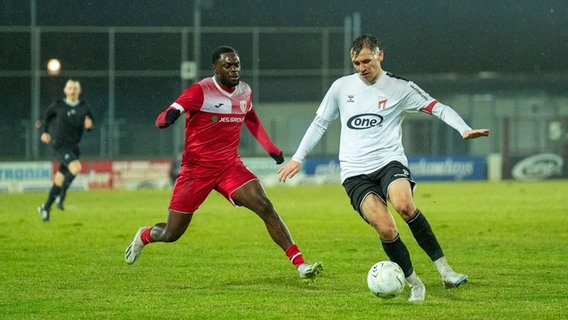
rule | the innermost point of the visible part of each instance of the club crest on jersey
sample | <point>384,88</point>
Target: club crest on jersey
<point>243,105</point>
<point>382,104</point>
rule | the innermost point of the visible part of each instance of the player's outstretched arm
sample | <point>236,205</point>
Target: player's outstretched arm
<point>278,157</point>
<point>167,117</point>
<point>289,170</point>
<point>311,137</point>
<point>255,127</point>
<point>476,133</point>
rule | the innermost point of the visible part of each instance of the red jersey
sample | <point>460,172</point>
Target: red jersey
<point>214,118</point>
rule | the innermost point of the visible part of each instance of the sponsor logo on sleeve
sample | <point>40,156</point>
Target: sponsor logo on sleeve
<point>419,91</point>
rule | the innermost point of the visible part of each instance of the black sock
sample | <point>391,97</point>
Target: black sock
<point>69,177</point>
<point>51,197</point>
<point>397,252</point>
<point>424,235</point>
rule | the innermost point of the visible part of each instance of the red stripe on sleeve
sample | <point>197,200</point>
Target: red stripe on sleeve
<point>429,107</point>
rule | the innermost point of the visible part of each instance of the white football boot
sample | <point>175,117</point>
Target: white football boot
<point>309,272</point>
<point>452,279</point>
<point>417,288</point>
<point>417,293</point>
<point>134,250</point>
<point>44,213</point>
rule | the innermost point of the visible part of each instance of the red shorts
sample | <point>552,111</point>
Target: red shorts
<point>193,185</point>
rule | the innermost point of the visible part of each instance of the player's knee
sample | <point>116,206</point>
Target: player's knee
<point>75,167</point>
<point>58,179</point>
<point>385,228</point>
<point>387,232</point>
<point>405,209</point>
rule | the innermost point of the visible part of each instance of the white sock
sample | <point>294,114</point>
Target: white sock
<point>442,265</point>
<point>413,279</point>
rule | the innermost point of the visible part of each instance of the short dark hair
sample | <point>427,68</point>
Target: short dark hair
<point>364,41</point>
<point>219,51</point>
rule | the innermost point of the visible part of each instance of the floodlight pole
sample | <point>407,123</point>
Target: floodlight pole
<point>347,38</point>
<point>197,36</point>
<point>32,151</point>
<point>351,30</point>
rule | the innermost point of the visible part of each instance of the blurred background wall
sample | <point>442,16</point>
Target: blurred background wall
<point>501,64</point>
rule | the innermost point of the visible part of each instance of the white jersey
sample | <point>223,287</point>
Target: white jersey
<point>371,116</point>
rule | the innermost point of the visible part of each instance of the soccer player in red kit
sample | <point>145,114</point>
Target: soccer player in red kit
<point>215,109</point>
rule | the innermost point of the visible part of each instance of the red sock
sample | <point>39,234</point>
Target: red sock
<point>295,255</point>
<point>145,236</point>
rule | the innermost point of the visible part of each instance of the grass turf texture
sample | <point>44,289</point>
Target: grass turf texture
<point>510,237</point>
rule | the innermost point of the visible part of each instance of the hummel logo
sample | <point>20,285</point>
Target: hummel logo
<point>350,98</point>
<point>219,105</point>
<point>404,173</point>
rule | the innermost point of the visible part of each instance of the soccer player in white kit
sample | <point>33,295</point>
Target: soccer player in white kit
<point>371,105</point>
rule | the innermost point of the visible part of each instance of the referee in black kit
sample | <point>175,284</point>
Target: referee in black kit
<point>66,119</point>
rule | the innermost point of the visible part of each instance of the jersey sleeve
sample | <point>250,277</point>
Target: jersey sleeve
<point>311,138</point>
<point>252,121</point>
<point>450,117</point>
<point>418,99</point>
<point>49,116</point>
<point>328,111</point>
<point>161,118</point>
<point>329,108</point>
<point>89,112</point>
<point>429,105</point>
<point>190,99</point>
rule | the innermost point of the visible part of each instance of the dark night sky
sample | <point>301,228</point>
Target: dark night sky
<point>524,41</point>
<point>466,36</point>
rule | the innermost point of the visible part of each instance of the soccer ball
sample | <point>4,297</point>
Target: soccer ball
<point>386,279</point>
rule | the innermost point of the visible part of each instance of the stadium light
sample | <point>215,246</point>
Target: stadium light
<point>53,67</point>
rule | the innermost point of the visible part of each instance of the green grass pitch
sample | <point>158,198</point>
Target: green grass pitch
<point>510,237</point>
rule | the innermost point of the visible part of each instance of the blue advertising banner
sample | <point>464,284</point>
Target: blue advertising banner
<point>319,166</point>
<point>426,168</point>
<point>440,168</point>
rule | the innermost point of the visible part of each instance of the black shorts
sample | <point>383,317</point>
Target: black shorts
<point>66,155</point>
<point>358,187</point>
